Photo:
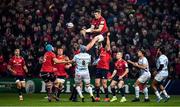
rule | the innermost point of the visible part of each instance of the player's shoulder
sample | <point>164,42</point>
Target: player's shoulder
<point>21,57</point>
<point>124,61</point>
<point>102,18</point>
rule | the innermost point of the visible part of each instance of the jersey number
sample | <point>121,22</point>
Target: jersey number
<point>83,62</point>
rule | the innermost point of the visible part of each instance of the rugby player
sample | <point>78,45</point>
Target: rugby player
<point>18,68</point>
<point>144,77</point>
<point>161,74</point>
<point>118,76</point>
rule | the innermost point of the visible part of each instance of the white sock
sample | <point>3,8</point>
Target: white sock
<point>78,88</point>
<point>137,91</point>
<point>157,94</point>
<point>146,93</point>
<point>90,91</point>
<point>165,93</point>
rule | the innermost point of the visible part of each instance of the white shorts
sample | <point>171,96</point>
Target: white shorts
<point>82,76</point>
<point>144,77</point>
<point>100,38</point>
<point>160,77</point>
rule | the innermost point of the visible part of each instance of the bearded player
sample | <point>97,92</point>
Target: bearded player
<point>60,72</point>
<point>18,68</point>
<point>47,72</point>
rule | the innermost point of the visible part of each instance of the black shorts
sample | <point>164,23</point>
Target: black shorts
<point>46,76</point>
<point>101,73</point>
<point>116,78</point>
<point>61,77</point>
<point>19,78</point>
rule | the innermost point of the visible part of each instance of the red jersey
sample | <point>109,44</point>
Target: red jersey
<point>121,66</point>
<point>17,64</point>
<point>61,71</point>
<point>98,22</point>
<point>48,63</point>
<point>105,57</point>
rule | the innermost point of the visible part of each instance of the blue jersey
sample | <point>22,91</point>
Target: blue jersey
<point>82,60</point>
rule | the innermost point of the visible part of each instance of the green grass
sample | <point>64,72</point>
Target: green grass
<point>11,99</point>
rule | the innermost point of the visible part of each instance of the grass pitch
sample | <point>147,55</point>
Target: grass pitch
<point>11,99</point>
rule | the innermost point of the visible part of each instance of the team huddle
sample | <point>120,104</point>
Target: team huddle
<point>53,71</point>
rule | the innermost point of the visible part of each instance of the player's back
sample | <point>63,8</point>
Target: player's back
<point>47,65</point>
<point>164,61</point>
<point>82,60</point>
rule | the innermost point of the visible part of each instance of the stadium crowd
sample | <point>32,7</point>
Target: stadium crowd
<point>29,24</point>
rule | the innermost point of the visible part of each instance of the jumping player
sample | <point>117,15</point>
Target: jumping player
<point>102,69</point>
<point>98,26</point>
<point>18,68</point>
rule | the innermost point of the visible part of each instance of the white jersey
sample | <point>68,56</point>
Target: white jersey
<point>162,60</point>
<point>82,60</point>
<point>144,61</point>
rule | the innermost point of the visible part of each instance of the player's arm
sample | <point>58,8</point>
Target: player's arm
<point>108,42</point>
<point>99,28</point>
<point>126,71</point>
<point>91,44</point>
<point>25,68</point>
<point>68,65</point>
<point>59,61</point>
<point>89,30</point>
<point>160,67</point>
<point>131,62</point>
<point>10,69</point>
<point>141,66</point>
<point>113,74</point>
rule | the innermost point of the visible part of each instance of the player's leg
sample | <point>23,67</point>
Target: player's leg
<point>145,90</point>
<point>18,86</point>
<point>61,86</point>
<point>74,94</point>
<point>97,84</point>
<point>56,86</point>
<point>23,85</point>
<point>122,90</point>
<point>87,81</point>
<point>155,84</point>
<point>167,97</point>
<point>113,90</point>
<point>136,86</point>
<point>146,78</point>
<point>78,80</point>
<point>104,84</point>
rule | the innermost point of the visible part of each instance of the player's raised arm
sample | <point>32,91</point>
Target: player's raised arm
<point>108,46</point>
